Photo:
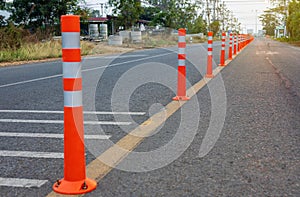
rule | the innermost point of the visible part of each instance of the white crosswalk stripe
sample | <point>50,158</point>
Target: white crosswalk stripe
<point>61,122</point>
<point>31,154</point>
<point>85,112</point>
<point>51,135</point>
<point>31,182</point>
<point>27,183</point>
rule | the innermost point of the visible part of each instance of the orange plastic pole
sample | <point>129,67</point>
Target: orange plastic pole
<point>209,73</point>
<point>239,43</point>
<point>181,83</point>
<point>222,59</point>
<point>234,48</point>
<point>242,41</point>
<point>230,47</point>
<point>74,181</point>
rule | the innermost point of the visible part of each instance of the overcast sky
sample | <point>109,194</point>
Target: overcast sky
<point>248,11</point>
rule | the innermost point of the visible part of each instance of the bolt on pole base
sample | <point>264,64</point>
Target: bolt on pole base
<point>181,98</point>
<point>74,187</point>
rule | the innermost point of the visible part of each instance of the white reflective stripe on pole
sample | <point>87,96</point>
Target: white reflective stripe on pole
<point>70,40</point>
<point>72,69</point>
<point>181,38</point>
<point>73,99</point>
<point>181,62</point>
<point>181,51</point>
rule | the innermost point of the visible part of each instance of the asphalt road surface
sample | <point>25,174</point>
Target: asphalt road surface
<point>254,148</point>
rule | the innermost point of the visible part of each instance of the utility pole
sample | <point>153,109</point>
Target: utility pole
<point>231,21</point>
<point>256,31</point>
<point>214,10</point>
<point>101,5</point>
<point>223,15</point>
<point>208,14</point>
<point>218,10</point>
<point>286,3</point>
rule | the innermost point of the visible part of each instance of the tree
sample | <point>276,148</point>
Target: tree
<point>41,13</point>
<point>269,21</point>
<point>293,21</point>
<point>175,13</point>
<point>224,17</point>
<point>128,11</point>
<point>215,27</point>
<point>150,14</point>
<point>2,4</point>
<point>84,13</point>
<point>281,11</point>
<point>2,21</point>
<point>197,26</point>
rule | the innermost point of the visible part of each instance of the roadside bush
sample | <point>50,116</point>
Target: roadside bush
<point>39,50</point>
<point>32,51</point>
<point>12,37</point>
<point>283,39</point>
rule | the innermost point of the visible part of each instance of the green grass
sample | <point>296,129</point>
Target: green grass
<point>37,51</point>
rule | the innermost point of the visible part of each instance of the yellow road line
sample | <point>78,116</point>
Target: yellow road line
<point>103,164</point>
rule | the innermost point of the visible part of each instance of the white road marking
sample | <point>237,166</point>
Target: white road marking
<point>272,53</point>
<point>31,154</point>
<point>61,122</point>
<point>115,113</point>
<point>118,64</point>
<point>85,112</point>
<point>51,135</point>
<point>267,52</point>
<point>260,52</point>
<point>27,183</point>
<point>28,81</point>
<point>114,56</point>
<point>100,67</point>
